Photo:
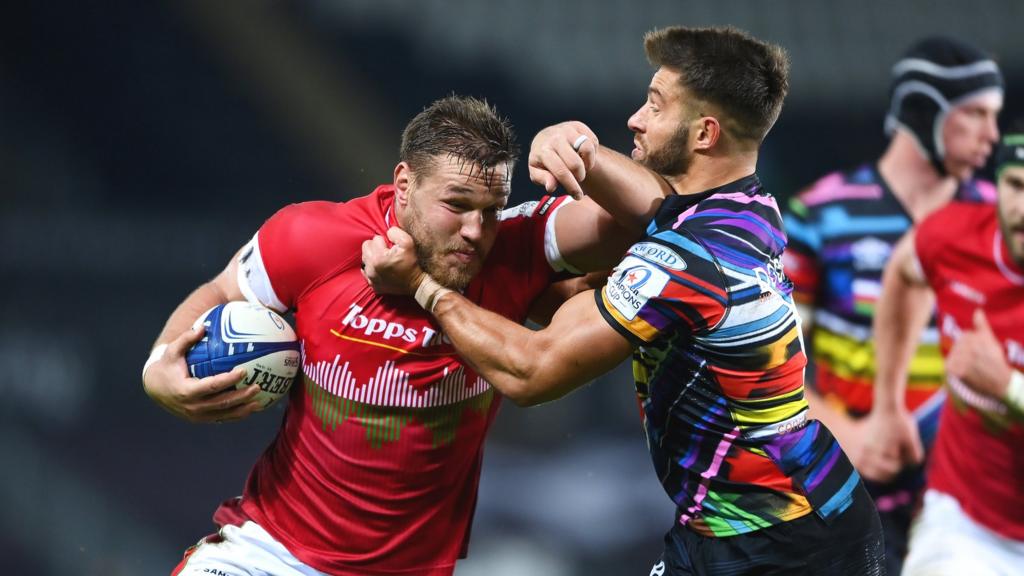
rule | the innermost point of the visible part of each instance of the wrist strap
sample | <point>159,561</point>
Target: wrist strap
<point>1015,391</point>
<point>154,356</point>
<point>429,292</point>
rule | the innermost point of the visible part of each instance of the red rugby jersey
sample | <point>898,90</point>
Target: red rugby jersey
<point>375,468</point>
<point>977,454</point>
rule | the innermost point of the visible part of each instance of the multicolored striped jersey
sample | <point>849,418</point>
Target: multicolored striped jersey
<point>841,231</point>
<point>719,365</point>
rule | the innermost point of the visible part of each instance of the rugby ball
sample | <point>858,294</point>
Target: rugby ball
<point>250,336</point>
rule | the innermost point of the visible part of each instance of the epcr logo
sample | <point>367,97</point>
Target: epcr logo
<point>635,277</point>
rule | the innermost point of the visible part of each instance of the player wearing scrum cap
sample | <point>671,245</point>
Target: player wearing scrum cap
<point>972,256</point>
<point>945,96</point>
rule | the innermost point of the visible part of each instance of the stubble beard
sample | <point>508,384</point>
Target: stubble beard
<point>431,257</point>
<point>1016,249</point>
<point>672,159</point>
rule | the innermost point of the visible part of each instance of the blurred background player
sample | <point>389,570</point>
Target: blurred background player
<point>704,308</point>
<point>972,256</point>
<point>374,470</point>
<point>944,100</point>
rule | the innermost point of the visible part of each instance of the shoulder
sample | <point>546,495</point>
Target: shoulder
<point>327,221</point>
<point>739,223</point>
<point>861,183</point>
<point>955,219</point>
<point>977,191</point>
<point>951,229</point>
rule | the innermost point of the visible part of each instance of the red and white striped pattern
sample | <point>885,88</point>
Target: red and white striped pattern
<point>390,386</point>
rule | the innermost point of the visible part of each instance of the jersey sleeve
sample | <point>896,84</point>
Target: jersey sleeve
<point>661,287</point>
<point>541,215</point>
<point>801,259</point>
<point>292,250</point>
<point>524,260</point>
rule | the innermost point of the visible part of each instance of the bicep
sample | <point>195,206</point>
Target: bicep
<point>589,238</point>
<point>227,281</point>
<point>905,261</point>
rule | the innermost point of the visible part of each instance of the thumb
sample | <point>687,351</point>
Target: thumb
<point>981,321</point>
<point>914,445</point>
<point>400,237</point>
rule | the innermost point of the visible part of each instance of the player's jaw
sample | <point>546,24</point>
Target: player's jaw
<point>453,266</point>
<point>1011,210</point>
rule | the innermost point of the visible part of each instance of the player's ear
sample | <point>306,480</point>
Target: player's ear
<point>707,133</point>
<point>402,180</point>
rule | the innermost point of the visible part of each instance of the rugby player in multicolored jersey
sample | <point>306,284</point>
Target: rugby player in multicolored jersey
<point>945,99</point>
<point>972,257</point>
<point>705,309</point>
<point>374,471</point>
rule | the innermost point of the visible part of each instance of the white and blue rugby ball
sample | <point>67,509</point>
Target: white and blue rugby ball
<point>250,336</point>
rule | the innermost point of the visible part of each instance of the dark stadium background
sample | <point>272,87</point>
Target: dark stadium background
<point>141,143</point>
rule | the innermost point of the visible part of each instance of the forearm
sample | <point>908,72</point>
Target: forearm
<point>903,311</point>
<point>627,190</point>
<point>531,367</point>
<point>200,300</point>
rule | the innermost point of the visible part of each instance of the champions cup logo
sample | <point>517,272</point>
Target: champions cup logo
<point>633,283</point>
<point>635,277</point>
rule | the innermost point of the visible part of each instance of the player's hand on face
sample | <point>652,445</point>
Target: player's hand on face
<point>392,269</point>
<point>891,441</point>
<point>211,399</point>
<point>977,359</point>
<point>562,155</point>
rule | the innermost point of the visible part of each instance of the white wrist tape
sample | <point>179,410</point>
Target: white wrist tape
<point>429,292</point>
<point>154,356</point>
<point>1015,391</point>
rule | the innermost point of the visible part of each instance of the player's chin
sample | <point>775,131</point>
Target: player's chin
<point>456,276</point>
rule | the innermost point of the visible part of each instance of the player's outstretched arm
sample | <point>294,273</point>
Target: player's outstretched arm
<point>531,367</point>
<point>569,154</point>
<point>528,366</point>
<point>166,378</point>
<point>904,307</point>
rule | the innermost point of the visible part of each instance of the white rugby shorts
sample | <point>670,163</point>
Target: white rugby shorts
<point>945,541</point>
<point>244,550</point>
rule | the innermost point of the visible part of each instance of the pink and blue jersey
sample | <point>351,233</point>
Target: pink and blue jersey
<point>719,365</point>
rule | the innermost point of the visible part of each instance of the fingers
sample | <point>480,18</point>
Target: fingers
<point>218,383</point>
<point>238,412</point>
<point>981,322</point>
<point>563,154</point>
<point>185,341</point>
<point>373,251</point>
<point>915,449</point>
<point>543,178</point>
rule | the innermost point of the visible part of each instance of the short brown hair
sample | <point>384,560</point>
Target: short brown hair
<point>463,127</point>
<point>745,77</point>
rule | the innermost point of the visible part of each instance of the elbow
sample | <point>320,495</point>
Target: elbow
<point>523,397</point>
<point>520,390</point>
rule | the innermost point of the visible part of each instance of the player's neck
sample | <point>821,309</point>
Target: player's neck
<point>707,172</point>
<point>913,179</point>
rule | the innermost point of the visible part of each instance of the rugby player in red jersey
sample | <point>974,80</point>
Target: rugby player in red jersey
<point>972,257</point>
<point>374,471</point>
